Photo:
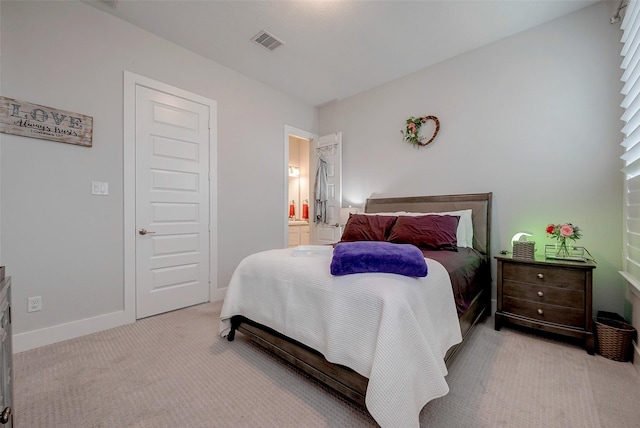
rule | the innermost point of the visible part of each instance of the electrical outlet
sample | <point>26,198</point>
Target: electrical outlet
<point>34,304</point>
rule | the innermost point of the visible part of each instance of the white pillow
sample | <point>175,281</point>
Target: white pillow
<point>395,214</point>
<point>464,232</point>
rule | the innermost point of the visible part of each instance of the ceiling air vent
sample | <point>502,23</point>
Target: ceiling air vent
<point>267,40</point>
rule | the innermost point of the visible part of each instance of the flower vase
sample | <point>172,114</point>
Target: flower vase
<point>561,248</point>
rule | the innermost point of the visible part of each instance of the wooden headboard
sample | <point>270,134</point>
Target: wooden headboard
<point>479,203</point>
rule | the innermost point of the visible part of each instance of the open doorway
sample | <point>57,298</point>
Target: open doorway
<point>298,186</point>
<point>299,192</point>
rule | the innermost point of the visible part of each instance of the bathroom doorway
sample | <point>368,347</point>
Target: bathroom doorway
<point>298,186</point>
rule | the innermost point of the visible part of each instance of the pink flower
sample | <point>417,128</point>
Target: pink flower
<point>412,128</point>
<point>566,230</point>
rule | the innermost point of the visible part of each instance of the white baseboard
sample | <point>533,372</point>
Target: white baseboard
<point>636,356</point>
<point>58,333</point>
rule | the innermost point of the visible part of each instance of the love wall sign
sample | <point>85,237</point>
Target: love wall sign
<point>46,123</point>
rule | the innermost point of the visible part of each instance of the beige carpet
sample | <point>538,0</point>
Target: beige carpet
<point>173,370</point>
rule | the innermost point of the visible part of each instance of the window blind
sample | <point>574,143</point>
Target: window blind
<point>631,140</point>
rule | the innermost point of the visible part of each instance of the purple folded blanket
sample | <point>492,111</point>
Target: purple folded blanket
<point>377,256</point>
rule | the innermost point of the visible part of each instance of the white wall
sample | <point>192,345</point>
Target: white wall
<point>633,296</point>
<point>533,118</point>
<point>62,243</point>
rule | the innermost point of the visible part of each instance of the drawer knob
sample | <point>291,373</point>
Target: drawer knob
<point>540,276</point>
<point>540,312</point>
<point>540,294</point>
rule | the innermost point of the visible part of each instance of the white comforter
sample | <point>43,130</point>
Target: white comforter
<point>392,329</point>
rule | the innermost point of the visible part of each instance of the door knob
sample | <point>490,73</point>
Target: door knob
<point>145,231</point>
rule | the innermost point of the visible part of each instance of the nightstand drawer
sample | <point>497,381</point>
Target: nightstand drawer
<point>544,275</point>
<point>544,312</point>
<point>535,293</point>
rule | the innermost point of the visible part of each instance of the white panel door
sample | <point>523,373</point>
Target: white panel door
<point>330,148</point>
<point>172,202</point>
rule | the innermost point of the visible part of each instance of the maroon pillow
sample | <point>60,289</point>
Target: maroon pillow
<point>362,227</point>
<point>433,232</point>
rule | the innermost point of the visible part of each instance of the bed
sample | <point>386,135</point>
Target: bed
<point>359,334</point>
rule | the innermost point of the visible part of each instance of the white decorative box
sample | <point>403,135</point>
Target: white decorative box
<point>312,250</point>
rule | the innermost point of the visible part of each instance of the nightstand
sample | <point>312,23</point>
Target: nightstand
<point>547,295</point>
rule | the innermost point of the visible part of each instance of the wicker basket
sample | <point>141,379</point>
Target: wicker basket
<point>614,338</point>
<point>524,250</point>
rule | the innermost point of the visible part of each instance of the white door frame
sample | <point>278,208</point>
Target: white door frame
<point>288,131</point>
<point>131,80</point>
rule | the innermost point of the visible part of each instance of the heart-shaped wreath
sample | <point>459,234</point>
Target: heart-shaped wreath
<point>411,132</point>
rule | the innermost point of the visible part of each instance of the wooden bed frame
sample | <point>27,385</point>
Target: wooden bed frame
<point>342,379</point>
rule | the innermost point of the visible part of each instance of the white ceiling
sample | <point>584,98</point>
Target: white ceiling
<point>334,49</point>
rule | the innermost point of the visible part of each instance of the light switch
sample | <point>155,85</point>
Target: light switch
<point>99,188</point>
